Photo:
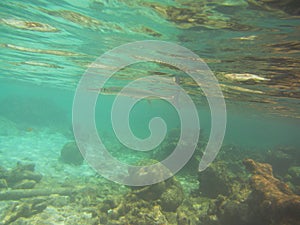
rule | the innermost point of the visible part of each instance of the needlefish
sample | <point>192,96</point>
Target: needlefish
<point>166,92</point>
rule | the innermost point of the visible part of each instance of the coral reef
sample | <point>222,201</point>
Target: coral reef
<point>262,200</point>
<point>233,190</point>
<point>145,205</point>
<point>74,204</point>
<point>271,199</point>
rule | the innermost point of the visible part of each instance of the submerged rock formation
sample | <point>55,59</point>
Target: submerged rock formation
<point>281,158</point>
<point>24,209</point>
<point>151,204</point>
<point>71,154</point>
<point>22,176</point>
<point>215,180</point>
<point>271,199</point>
<point>227,195</point>
<point>261,200</point>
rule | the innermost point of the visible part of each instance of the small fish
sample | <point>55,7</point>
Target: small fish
<point>245,77</point>
<point>41,64</point>
<point>177,79</point>
<point>29,25</point>
<point>29,129</point>
<point>36,50</point>
<point>166,93</point>
<point>137,93</point>
<point>241,89</point>
<point>246,38</point>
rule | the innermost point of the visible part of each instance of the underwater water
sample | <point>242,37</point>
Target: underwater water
<point>253,50</point>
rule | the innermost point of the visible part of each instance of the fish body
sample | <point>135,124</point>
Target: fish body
<point>164,90</point>
<point>148,88</point>
<point>245,77</point>
<point>246,38</point>
<point>136,93</point>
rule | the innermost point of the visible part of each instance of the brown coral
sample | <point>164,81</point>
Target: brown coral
<point>272,199</point>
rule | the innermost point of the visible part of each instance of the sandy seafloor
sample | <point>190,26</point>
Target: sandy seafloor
<point>43,149</point>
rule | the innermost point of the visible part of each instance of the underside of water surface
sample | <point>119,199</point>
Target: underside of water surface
<point>53,169</point>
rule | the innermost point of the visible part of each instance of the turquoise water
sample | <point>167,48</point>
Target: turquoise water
<point>47,46</point>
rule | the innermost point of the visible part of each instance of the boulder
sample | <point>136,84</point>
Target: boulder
<point>271,199</point>
<point>71,154</point>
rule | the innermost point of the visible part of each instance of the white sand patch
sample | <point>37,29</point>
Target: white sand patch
<point>43,149</point>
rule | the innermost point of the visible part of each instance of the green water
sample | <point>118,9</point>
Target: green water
<point>46,46</point>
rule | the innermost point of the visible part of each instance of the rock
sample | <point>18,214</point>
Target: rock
<point>59,201</point>
<point>3,172</point>
<point>170,143</point>
<point>28,175</point>
<point>168,194</point>
<point>22,172</point>
<point>280,161</point>
<point>231,209</point>
<point>71,154</point>
<point>182,218</point>
<point>271,199</point>
<point>215,180</point>
<point>282,158</point>
<point>25,184</point>
<point>151,192</point>
<point>30,193</point>
<point>138,212</point>
<point>3,184</point>
<point>25,167</point>
<point>145,205</point>
<point>156,217</point>
<point>172,198</point>
<point>294,172</point>
<point>234,212</point>
<point>263,199</point>
<point>148,174</point>
<point>168,146</point>
<point>108,204</point>
<point>24,209</point>
<point>193,210</point>
<point>22,176</point>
